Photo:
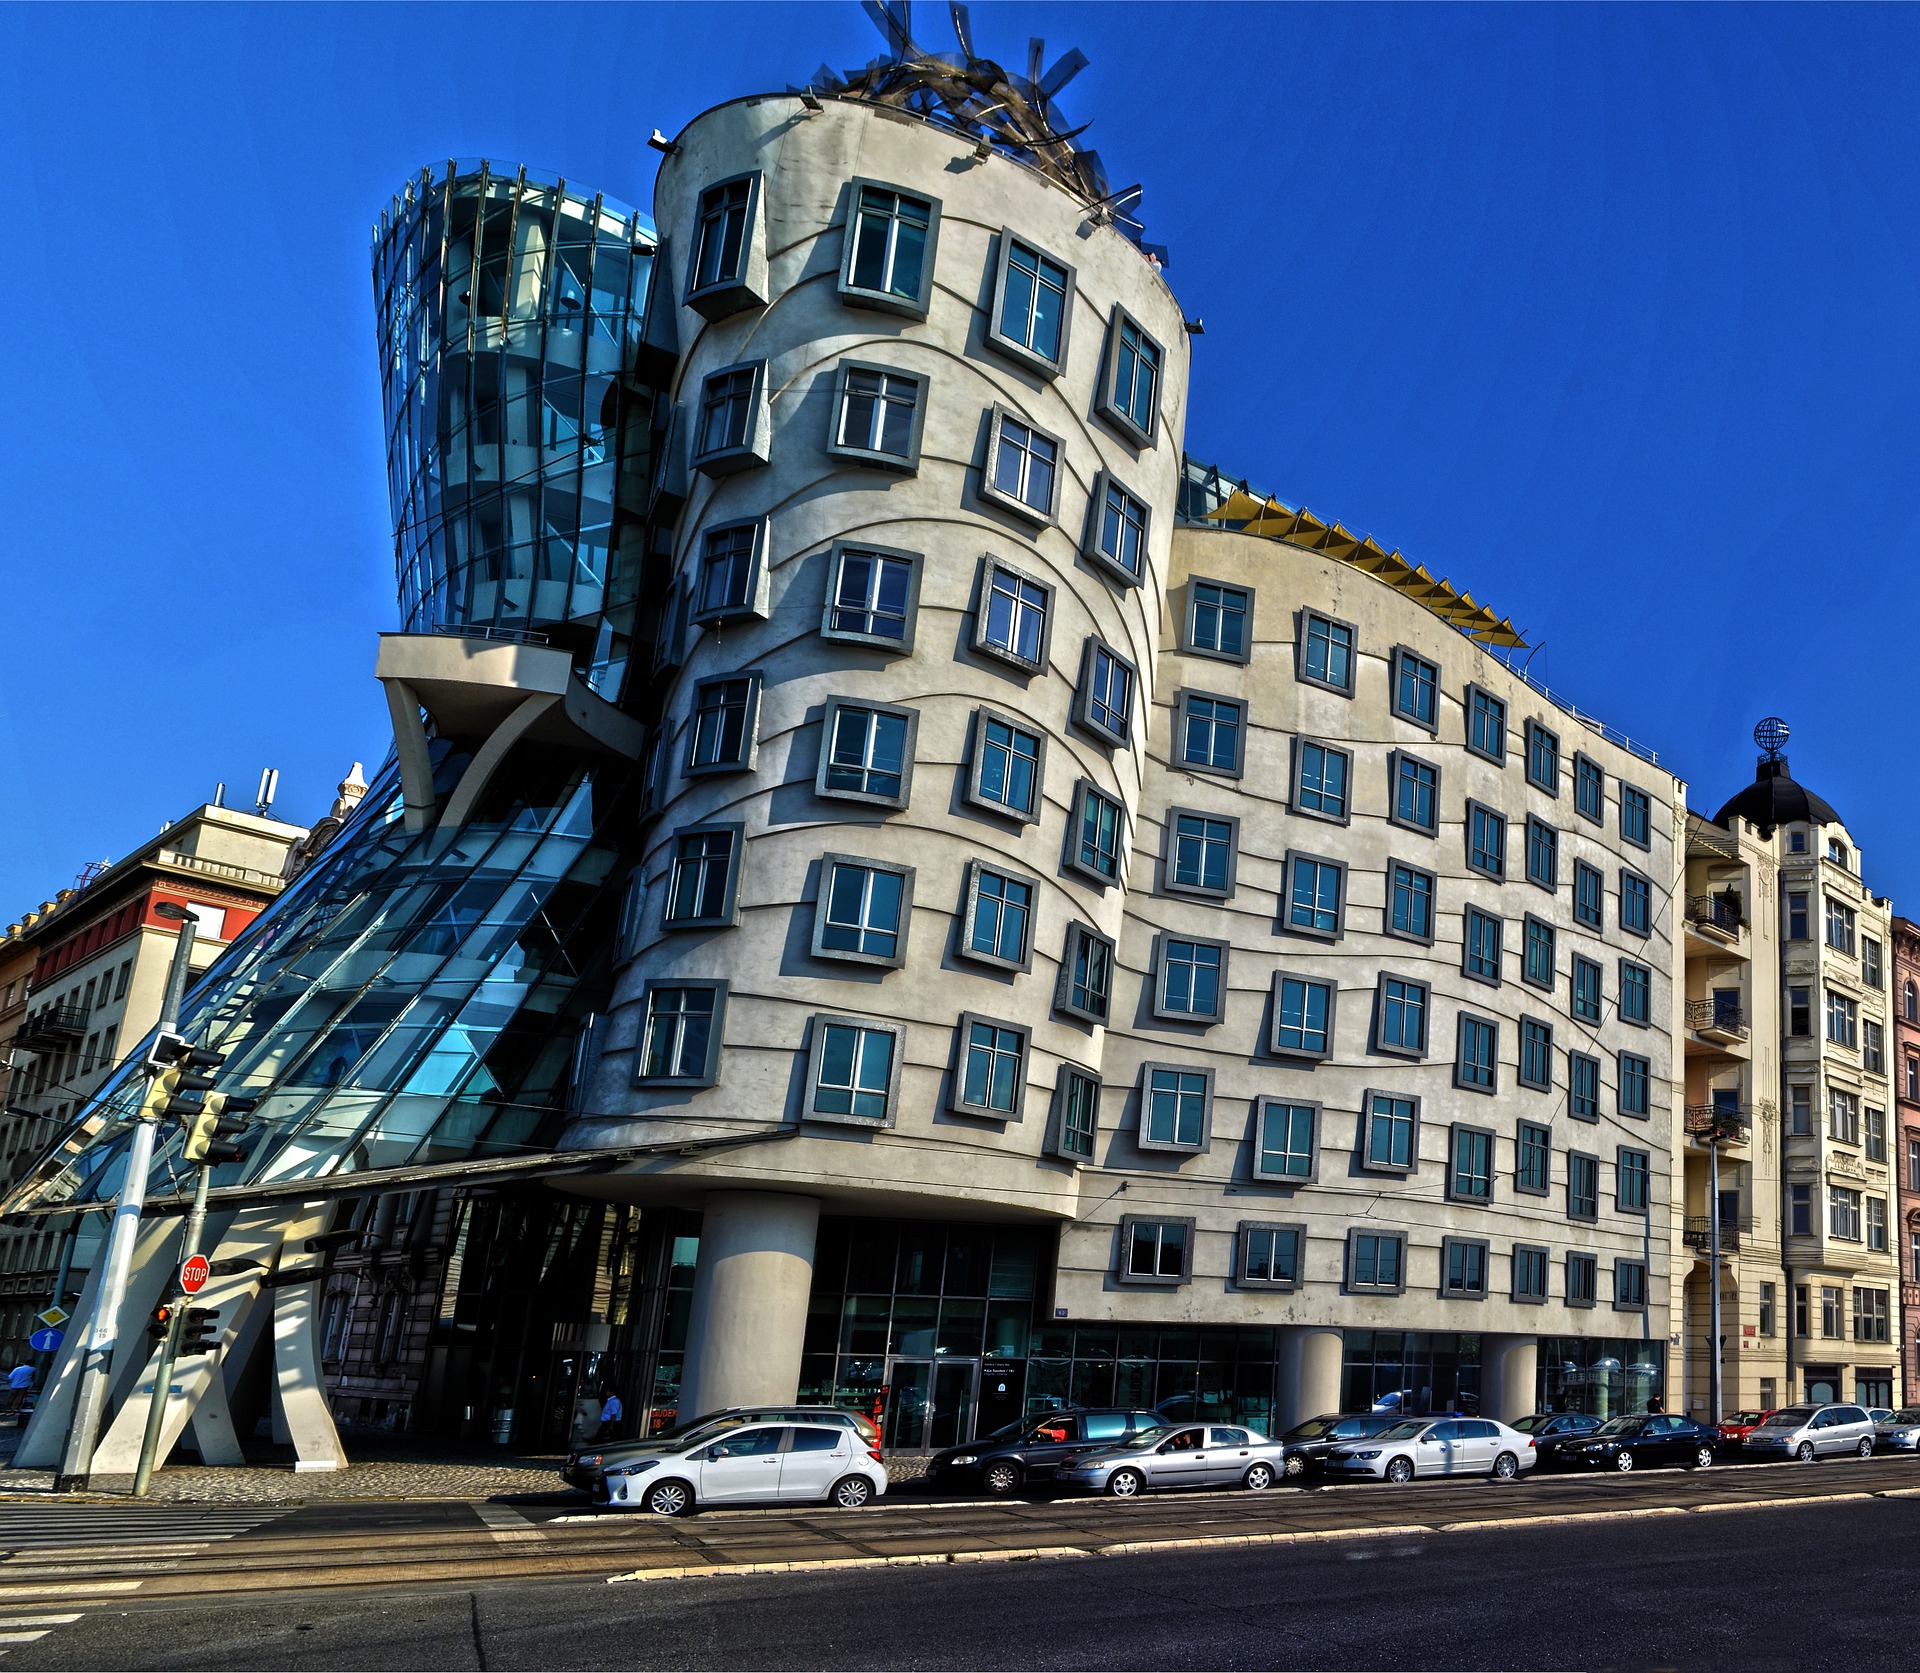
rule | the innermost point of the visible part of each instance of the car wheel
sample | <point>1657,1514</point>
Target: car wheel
<point>1126,1484</point>
<point>1259,1477</point>
<point>1865,1448</point>
<point>1506,1467</point>
<point>1703,1458</point>
<point>850,1492</point>
<point>1400,1471</point>
<point>1805,1454</point>
<point>1294,1465</point>
<point>1623,1460</point>
<point>1001,1479</point>
<point>669,1498</point>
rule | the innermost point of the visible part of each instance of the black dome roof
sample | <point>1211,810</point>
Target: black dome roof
<point>1774,799</point>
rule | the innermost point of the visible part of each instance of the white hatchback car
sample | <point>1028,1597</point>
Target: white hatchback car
<point>752,1464</point>
<point>1437,1446</point>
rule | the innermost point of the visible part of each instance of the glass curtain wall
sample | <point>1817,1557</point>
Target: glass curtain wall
<point>1412,1371</point>
<point>1604,1376</point>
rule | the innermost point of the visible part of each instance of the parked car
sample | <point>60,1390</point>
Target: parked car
<point>1033,1448</point>
<point>1642,1439</point>
<point>1308,1444</point>
<point>1437,1446</point>
<point>1551,1431</point>
<point>1810,1432</point>
<point>1901,1432</point>
<point>750,1463</point>
<point>1735,1430</point>
<point>1194,1455</point>
<point>584,1468</point>
<point>1880,1414</point>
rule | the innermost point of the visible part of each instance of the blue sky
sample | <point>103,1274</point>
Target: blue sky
<point>1607,313</point>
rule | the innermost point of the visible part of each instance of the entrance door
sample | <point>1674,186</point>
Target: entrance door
<point>930,1403</point>
<point>1823,1385</point>
<point>951,1420</point>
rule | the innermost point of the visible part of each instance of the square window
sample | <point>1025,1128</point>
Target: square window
<point>1589,790</point>
<point>1326,653</point>
<point>1007,767</point>
<point>990,1076</point>
<point>1414,789</point>
<point>1377,1262</point>
<point>1176,1107</point>
<point>1315,889</point>
<point>1529,1272</point>
<point>1416,688</point>
<point>1011,622</point>
<point>887,260</point>
<point>1302,1017</point>
<point>1582,1275</point>
<point>1636,904</point>
<point>1103,704</point>
<point>1022,469</point>
<point>1537,964</point>
<point>1219,620</point>
<point>1076,1105</point>
<point>733,431</point>
<point>873,596</point>
<point>1635,1077</point>
<point>680,1031</point>
<point>878,414</point>
<point>1543,758</point>
<point>721,730</point>
<point>1129,396</point>
<point>1210,733</point>
<point>1636,994</point>
<point>1632,1181</point>
<point>1486,840</point>
<point>1402,1007</point>
<point>853,1071</point>
<point>1583,1186</point>
<point>1486,725</point>
<point>1117,523</point>
<point>1390,1141</point>
<point>1409,902</point>
<point>1268,1255</point>
<point>728,270</point>
<point>1586,989</point>
<point>1482,934</point>
<point>866,753</point>
<point>863,910</point>
<point>1629,1287</point>
<point>1543,854</point>
<point>1588,908</point>
<point>1085,987</point>
<point>1536,1054</point>
<point>1470,1165</point>
<point>1096,835</point>
<point>1476,1061</point>
<point>1192,981</point>
<point>732,583</point>
<point>1201,853</point>
<point>1636,817</point>
<point>1155,1251</point>
<point>1033,305</point>
<point>996,924</point>
<point>706,865</point>
<point>1463,1268</point>
<point>1321,776</point>
<point>1287,1141</point>
<point>1583,1086</point>
<point>1533,1159</point>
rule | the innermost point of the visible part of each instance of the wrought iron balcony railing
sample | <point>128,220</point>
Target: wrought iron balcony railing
<point>1717,1016</point>
<point>1698,1233</point>
<point>54,1027</point>
<point>1733,1123</point>
<point>1717,912</point>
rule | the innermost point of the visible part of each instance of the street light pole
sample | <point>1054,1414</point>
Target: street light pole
<point>1713,1272</point>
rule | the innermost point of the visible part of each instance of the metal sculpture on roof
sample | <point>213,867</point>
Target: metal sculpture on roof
<point>1771,735</point>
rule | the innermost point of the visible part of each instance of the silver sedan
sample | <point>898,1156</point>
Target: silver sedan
<point>1189,1455</point>
<point>1437,1446</point>
<point>1899,1431</point>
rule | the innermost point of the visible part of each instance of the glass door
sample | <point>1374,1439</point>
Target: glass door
<point>954,1383</point>
<point>930,1403</point>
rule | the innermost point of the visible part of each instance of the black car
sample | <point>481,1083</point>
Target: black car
<point>1644,1439</point>
<point>1028,1450</point>
<point>1551,1431</point>
<point>1309,1443</point>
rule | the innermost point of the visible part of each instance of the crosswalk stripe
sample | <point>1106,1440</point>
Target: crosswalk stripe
<point>38,1620</point>
<point>23,1637</point>
<point>78,1589</point>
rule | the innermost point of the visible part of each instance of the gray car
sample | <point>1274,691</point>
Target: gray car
<point>1810,1432</point>
<point>1899,1431</point>
<point>1188,1455</point>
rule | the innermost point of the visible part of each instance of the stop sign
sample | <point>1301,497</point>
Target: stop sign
<point>194,1274</point>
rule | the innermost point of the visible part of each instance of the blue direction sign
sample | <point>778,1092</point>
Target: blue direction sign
<point>46,1341</point>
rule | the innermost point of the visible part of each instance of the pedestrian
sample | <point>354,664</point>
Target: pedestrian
<point>610,1412</point>
<point>1655,1404</point>
<point>19,1385</point>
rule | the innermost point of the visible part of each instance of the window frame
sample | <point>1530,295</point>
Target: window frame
<point>1433,906</point>
<point>1584,1293</point>
<point>829,724</point>
<point>817,1027</point>
<point>1599,1085</point>
<point>889,302</point>
<point>1365,1158</point>
<point>1581,1216</point>
<point>1461,1024</point>
<point>1182,709</point>
<point>1531,727</point>
<point>1104,404</point>
<point>1161,1011</point>
<point>1125,1232</point>
<point>1645,1063</point>
<point>1530,923</point>
<point>989,493</point>
<point>1644,931</point>
<point>1144,1141</point>
<point>1257,1147</point>
<point>1582,760</point>
<point>1396,656</point>
<point>1599,1012</point>
<point>729,915</point>
<point>907,464</point>
<point>1241,1233</point>
<point>1349,1265</point>
<point>1031,358</point>
<point>1079,931</point>
<point>1530,1298</point>
<point>1083,789</point>
<point>1475,689</point>
<point>1057,1131</point>
<point>755,605</point>
<point>1474,806</point>
<point>747,288</point>
<point>1380,1043</point>
<point>716,1029</point>
<point>1621,1267</point>
<point>1520,1075</point>
<point>1083,716</point>
<point>1105,482</point>
<point>1299,856</point>
<point>976,764</point>
<point>1301,1054</point>
<point>1395,758</point>
<point>1447,1246</point>
<point>1620,1003</point>
<point>1190,603</point>
<point>956,1102</point>
<point>1297,770</point>
<point>1620,1174</point>
<point>1524,1135</point>
<point>1302,619</point>
<point>823,894</point>
<point>971,878</point>
<point>1581,871</point>
<point>749,756</point>
<point>837,555</point>
<point>983,592</point>
<point>1621,792</point>
<point>1455,1132</point>
<point>1468,916</point>
<point>1535,824</point>
<point>1170,842</point>
<point>756,447</point>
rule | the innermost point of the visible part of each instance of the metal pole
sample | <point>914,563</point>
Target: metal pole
<point>90,1404</point>
<point>169,1345</point>
<point>1713,1276</point>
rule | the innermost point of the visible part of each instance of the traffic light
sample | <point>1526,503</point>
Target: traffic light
<point>212,1126</point>
<point>161,1322</point>
<point>200,1334</point>
<point>176,1070</point>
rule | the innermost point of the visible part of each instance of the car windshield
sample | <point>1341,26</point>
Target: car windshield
<point>1622,1426</point>
<point>1748,1417</point>
<point>1907,1414</point>
<point>1404,1431</point>
<point>1794,1417</point>
<point>1315,1428</point>
<point>1527,1425</point>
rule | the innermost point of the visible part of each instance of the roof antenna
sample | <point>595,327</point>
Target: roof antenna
<point>269,785</point>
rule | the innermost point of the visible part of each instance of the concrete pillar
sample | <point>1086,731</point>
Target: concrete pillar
<point>1509,1375</point>
<point>1310,1362</point>
<point>750,1289</point>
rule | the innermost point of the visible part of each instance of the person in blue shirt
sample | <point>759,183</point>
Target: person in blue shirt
<point>610,1412</point>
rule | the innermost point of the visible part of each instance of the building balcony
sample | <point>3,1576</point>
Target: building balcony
<point>1698,1233</point>
<point>52,1029</point>
<point>1721,1019</point>
<point>1732,1124</point>
<point>1719,915</point>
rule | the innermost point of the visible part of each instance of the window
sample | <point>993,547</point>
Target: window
<point>1873,1053</point>
<point>1314,890</point>
<point>873,597</point>
<point>1289,1150</point>
<point>1843,1020</point>
<point>1536,1054</point>
<point>722,278</point>
<point>1410,902</point>
<point>1219,620</point>
<point>680,1034</point>
<point>1076,1100</point>
<point>1768,1308</point>
<point>992,1077</point>
<point>1104,702</point>
<point>1007,765</point>
<point>1326,653</point>
<point>1909,999</point>
<point>1533,1159</point>
<point>1589,790</point>
<point>701,892</point>
<point>1797,921</point>
<point>1543,758</point>
<point>888,258</point>
<point>1636,817</point>
<point>1117,524</point>
<point>721,736</point>
<point>1033,305</point>
<point>1797,842</point>
<point>1586,989</point>
<point>1476,1062</point>
<point>863,911</point>
<point>1486,725</point>
<point>1913,1091</point>
<point>1130,392</point>
<point>1870,968</point>
<point>1537,964</point>
<point>1636,904</point>
<point>1416,689</point>
<point>1482,934</point>
<point>1321,775</point>
<point>1155,1251</point>
<point>1377,1261</point>
<point>1269,1255</point>
<point>878,412</point>
<point>1636,993</point>
<point>1583,1186</point>
<point>1877,1224</point>
<point>1871,1320</point>
<point>1193,980</point>
<point>1831,1322</point>
<point>868,755</point>
<point>1632,1177</point>
<point>1470,1165</point>
<point>998,918</point>
<point>734,431</point>
<point>1012,620</point>
<point>1463,1268</point>
<point>1094,841</point>
<point>126,972</point>
<point>1302,1016</point>
<point>1839,926</point>
<point>1211,733</point>
<point>853,1071</point>
<point>1393,1133</point>
<point>1529,1272</point>
<point>1486,840</point>
<point>1837,852</point>
<point>1843,1116</point>
<point>1022,467</point>
<point>1200,853</point>
<point>1800,1012</point>
<point>1800,1213</point>
<point>1629,1286</point>
<point>1636,1074</point>
<point>1799,1111</point>
<point>1416,793</point>
<point>1543,854</point>
<point>1086,975</point>
<point>1843,1213</point>
<point>1588,908</point>
<point>732,581</point>
<point>1582,1272</point>
<point>1176,1107</point>
<point>1403,1005</point>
